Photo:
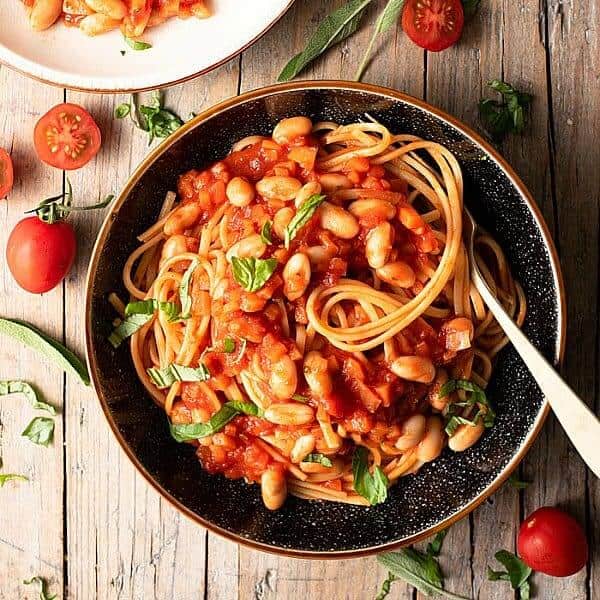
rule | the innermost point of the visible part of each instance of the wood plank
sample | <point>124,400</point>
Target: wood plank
<point>559,475</point>
<point>124,541</point>
<point>266,576</point>
<point>31,525</point>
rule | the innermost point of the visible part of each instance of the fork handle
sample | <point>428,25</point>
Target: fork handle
<point>579,422</point>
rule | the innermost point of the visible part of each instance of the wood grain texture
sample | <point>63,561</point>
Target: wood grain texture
<point>122,541</point>
<point>31,512</point>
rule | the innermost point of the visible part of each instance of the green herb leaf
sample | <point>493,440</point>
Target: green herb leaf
<point>247,408</point>
<point>336,27</point>
<point>164,378</point>
<point>419,570</point>
<point>22,387</point>
<point>34,338</point>
<point>154,118</point>
<point>42,583</point>
<point>302,217</point>
<point>385,587</point>
<point>137,45</point>
<point>265,232</point>
<point>434,548</point>
<point>299,398</point>
<point>128,327</point>
<point>228,345</point>
<point>40,431</point>
<point>184,289</point>
<point>252,273</point>
<point>122,110</point>
<point>387,19</point>
<point>485,414</point>
<point>470,8</point>
<point>373,487</point>
<point>517,483</point>
<point>149,307</point>
<point>517,573</point>
<point>4,477</point>
<point>195,431</point>
<point>508,116</point>
<point>317,457</point>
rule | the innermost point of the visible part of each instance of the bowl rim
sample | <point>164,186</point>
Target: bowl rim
<point>166,84</point>
<point>271,90</point>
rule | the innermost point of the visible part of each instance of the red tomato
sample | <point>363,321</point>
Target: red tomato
<point>6,173</point>
<point>67,137</point>
<point>39,255</point>
<point>552,542</point>
<point>434,25</point>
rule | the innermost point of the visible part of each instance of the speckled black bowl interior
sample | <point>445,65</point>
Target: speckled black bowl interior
<point>442,490</point>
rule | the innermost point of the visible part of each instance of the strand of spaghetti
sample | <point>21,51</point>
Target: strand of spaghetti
<point>282,459</point>
<point>127,280</point>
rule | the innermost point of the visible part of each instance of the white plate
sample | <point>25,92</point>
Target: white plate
<point>181,48</point>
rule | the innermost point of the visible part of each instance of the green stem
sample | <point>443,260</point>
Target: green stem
<point>366,57</point>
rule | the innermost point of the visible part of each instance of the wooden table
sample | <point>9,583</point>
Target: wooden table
<point>90,524</point>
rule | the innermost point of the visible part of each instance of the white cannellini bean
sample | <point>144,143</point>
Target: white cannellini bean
<point>44,13</point>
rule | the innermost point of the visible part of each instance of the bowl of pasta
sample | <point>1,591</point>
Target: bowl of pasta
<point>281,327</point>
<point>144,44</point>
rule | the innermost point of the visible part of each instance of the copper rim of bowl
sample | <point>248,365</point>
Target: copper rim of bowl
<point>329,85</point>
<point>166,83</point>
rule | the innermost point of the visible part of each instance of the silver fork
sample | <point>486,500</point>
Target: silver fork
<point>578,421</point>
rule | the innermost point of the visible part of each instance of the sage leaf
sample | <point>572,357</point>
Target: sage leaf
<point>387,19</point>
<point>336,27</point>
<point>31,336</point>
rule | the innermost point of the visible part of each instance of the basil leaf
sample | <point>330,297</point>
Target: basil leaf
<point>517,483</point>
<point>454,421</point>
<point>184,289</point>
<point>336,27</point>
<point>40,431</point>
<point>228,345</point>
<point>4,477</point>
<point>154,118</point>
<point>517,573</point>
<point>302,217</point>
<point>385,586</point>
<point>373,487</point>
<point>434,548</point>
<point>247,408</point>
<point>508,116</point>
<point>387,19</point>
<point>195,431</point>
<point>265,232</point>
<point>419,570</point>
<point>485,414</point>
<point>149,307</point>
<point>128,327</point>
<point>470,8</point>
<point>300,398</point>
<point>42,582</point>
<point>164,378</point>
<point>252,273</point>
<point>318,458</point>
<point>137,45</point>
<point>34,338</point>
<point>122,110</point>
<point>22,387</point>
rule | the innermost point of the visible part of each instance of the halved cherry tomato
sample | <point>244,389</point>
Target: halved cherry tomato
<point>67,137</point>
<point>552,542</point>
<point>433,24</point>
<point>6,173</point>
<point>39,254</point>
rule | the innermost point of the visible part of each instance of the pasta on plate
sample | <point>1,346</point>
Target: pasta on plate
<point>305,316</point>
<point>94,17</point>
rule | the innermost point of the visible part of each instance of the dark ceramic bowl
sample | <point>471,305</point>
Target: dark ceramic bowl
<point>444,490</point>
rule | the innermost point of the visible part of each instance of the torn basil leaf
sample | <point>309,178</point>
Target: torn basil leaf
<point>184,289</point>
<point>4,477</point>
<point>373,486</point>
<point>164,378</point>
<point>40,431</point>
<point>247,408</point>
<point>128,327</point>
<point>317,457</point>
<point>22,387</point>
<point>195,431</point>
<point>302,217</point>
<point>265,233</point>
<point>252,273</point>
<point>228,345</point>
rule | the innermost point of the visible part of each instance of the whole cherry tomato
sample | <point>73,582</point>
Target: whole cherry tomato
<point>552,542</point>
<point>40,254</point>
